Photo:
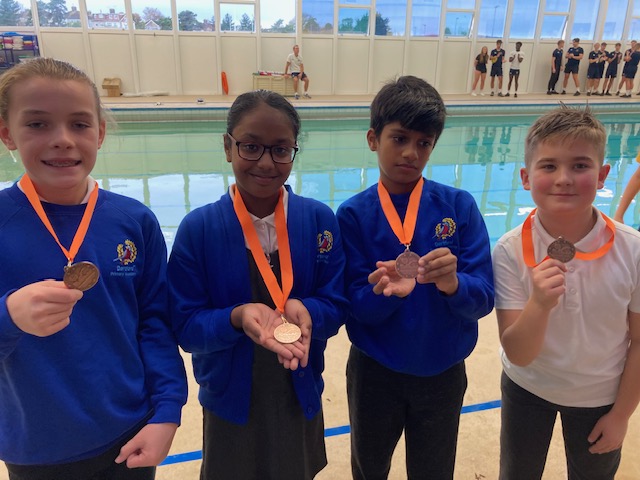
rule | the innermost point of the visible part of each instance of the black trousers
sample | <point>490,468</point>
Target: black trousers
<point>527,427</point>
<point>383,403</point>
<point>553,80</point>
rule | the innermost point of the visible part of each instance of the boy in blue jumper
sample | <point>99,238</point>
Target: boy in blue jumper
<point>419,277</point>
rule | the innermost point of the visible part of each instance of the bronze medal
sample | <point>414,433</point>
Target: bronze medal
<point>561,249</point>
<point>407,264</point>
<point>287,332</point>
<point>81,276</point>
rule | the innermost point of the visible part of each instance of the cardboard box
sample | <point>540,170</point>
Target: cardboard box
<point>112,86</point>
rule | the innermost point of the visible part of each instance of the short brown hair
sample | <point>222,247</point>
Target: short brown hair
<point>565,124</point>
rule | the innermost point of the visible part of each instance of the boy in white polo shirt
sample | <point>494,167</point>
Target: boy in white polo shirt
<point>515,57</point>
<point>568,308</point>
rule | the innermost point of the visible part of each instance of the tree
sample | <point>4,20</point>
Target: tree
<point>138,22</point>
<point>57,13</point>
<point>246,23</point>
<point>188,21</point>
<point>227,23</point>
<point>382,25</point>
<point>362,24</point>
<point>309,24</point>
<point>209,25</point>
<point>10,13</point>
<point>43,13</point>
<point>150,13</point>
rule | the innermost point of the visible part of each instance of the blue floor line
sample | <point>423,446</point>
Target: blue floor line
<point>329,432</point>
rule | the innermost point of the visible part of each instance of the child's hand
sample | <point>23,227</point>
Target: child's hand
<point>608,433</point>
<point>386,281</point>
<point>149,446</point>
<point>439,266</point>
<point>295,312</point>
<point>548,283</point>
<point>42,308</point>
<point>259,322</point>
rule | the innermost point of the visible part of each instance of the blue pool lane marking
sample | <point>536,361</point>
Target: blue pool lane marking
<point>329,432</point>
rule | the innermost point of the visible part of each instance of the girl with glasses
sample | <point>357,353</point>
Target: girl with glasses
<point>256,285</point>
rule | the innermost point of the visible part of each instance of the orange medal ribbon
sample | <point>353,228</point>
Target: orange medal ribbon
<point>404,231</point>
<point>34,200</point>
<point>527,243</point>
<point>278,295</point>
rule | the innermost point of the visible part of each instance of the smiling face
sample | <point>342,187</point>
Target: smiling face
<point>56,128</point>
<point>259,181</point>
<point>564,178</point>
<point>402,155</point>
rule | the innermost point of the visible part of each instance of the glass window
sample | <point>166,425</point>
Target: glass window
<point>614,21</point>
<point>425,19</point>
<point>195,16</point>
<point>353,20</point>
<point>237,17</point>
<point>391,17</point>
<point>467,4</point>
<point>151,14</point>
<point>355,2</point>
<point>636,9</point>
<point>101,14</point>
<point>524,19</point>
<point>493,14</point>
<point>56,13</point>
<point>317,16</point>
<point>554,26</point>
<point>634,29</point>
<point>278,16</point>
<point>458,24</point>
<point>16,13</point>
<point>557,6</point>
<point>584,22</point>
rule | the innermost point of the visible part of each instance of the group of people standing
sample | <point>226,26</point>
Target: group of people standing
<point>497,57</point>
<point>91,381</point>
<point>602,64</point>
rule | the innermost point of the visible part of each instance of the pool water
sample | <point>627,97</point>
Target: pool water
<point>176,167</point>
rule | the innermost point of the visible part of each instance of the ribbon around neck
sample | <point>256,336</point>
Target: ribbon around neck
<point>78,238</point>
<point>278,295</point>
<point>529,254</point>
<point>403,230</point>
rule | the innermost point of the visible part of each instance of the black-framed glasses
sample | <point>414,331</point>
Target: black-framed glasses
<point>254,151</point>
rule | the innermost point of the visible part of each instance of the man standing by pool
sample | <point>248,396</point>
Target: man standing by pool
<point>556,63</point>
<point>294,61</point>
<point>574,55</point>
<point>497,58</point>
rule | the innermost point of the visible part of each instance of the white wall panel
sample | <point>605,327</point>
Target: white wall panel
<point>198,65</point>
<point>353,66</point>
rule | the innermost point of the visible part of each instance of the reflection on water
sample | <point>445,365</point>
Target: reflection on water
<point>175,168</point>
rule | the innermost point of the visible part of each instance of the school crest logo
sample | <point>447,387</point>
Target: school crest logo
<point>325,241</point>
<point>446,228</point>
<point>127,253</point>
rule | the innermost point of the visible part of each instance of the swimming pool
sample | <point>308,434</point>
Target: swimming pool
<point>176,167</point>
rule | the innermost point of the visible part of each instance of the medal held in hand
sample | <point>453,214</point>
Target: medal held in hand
<point>561,249</point>
<point>81,276</point>
<point>407,264</point>
<point>287,332</point>
<point>407,261</point>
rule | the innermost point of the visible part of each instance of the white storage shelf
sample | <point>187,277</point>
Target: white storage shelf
<point>276,83</point>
